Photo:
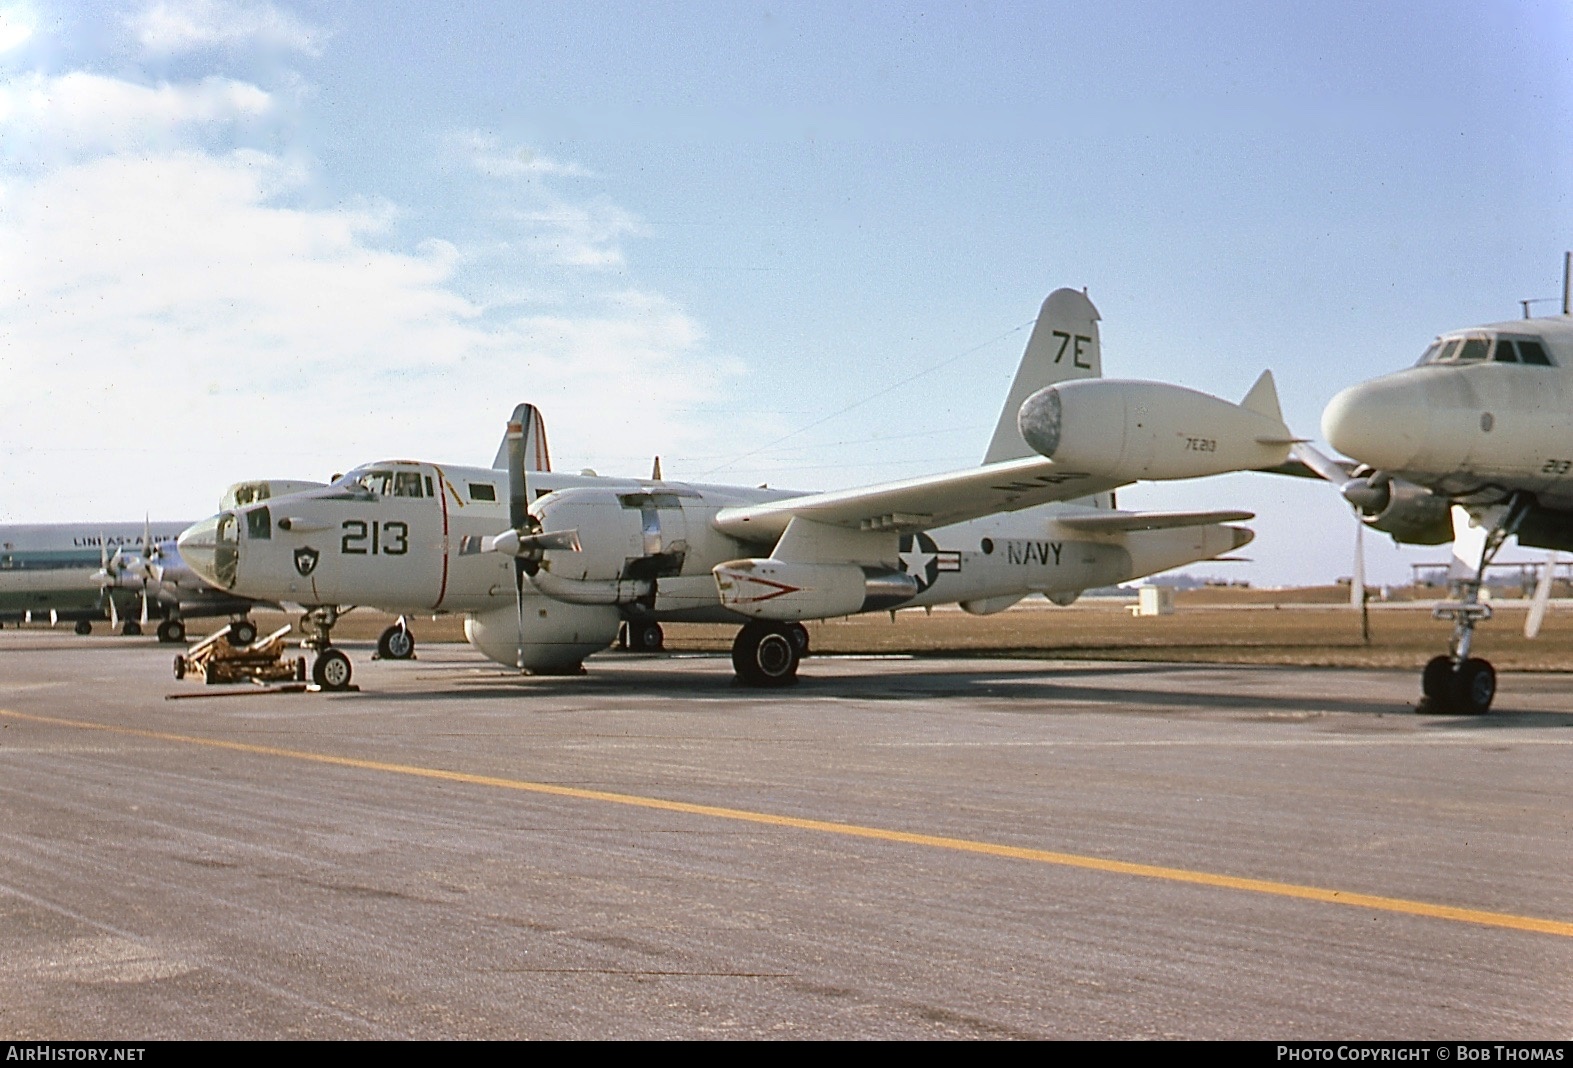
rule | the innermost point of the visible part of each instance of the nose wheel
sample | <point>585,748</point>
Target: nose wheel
<point>1466,688</point>
<point>768,654</point>
<point>1458,682</point>
<point>331,670</point>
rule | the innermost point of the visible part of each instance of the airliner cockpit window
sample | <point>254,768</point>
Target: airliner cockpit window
<point>1429,355</point>
<point>1473,351</point>
<point>1531,351</point>
<point>1504,352</point>
<point>407,484</point>
<point>1449,350</point>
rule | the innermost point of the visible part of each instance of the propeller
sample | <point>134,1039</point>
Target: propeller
<point>527,542</point>
<point>1368,493</point>
<point>1542,601</point>
<point>1357,598</point>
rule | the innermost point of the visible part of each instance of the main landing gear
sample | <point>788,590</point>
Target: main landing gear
<point>171,631</point>
<point>1458,682</point>
<point>766,653</point>
<point>641,636</point>
<point>331,669</point>
<point>396,643</point>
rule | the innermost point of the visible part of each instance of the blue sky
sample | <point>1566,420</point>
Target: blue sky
<point>240,239</point>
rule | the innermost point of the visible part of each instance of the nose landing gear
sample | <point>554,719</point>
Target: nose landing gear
<point>330,670</point>
<point>1458,682</point>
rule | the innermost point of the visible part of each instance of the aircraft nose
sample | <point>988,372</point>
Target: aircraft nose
<point>207,550</point>
<point>1376,423</point>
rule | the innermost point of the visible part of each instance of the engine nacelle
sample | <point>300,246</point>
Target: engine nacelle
<point>627,539</point>
<point>1152,430</point>
<point>1412,514</point>
<point>785,590</point>
<point>555,637</point>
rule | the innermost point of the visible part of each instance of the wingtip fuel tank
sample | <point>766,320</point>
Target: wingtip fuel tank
<point>1153,430</point>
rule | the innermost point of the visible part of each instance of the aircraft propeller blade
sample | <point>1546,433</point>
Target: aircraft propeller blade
<point>513,543</point>
<point>1542,601</point>
<point>519,519</point>
<point>1357,598</point>
<point>114,614</point>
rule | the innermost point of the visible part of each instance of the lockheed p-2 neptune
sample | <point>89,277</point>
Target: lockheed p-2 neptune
<point>548,567</point>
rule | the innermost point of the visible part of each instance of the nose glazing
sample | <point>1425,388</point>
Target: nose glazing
<point>211,548</point>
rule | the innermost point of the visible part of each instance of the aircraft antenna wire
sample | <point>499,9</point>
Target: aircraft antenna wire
<point>871,397</point>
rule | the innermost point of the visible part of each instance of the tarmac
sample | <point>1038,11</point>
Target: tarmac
<point>893,848</point>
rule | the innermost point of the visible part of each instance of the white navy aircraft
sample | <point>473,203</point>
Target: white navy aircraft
<point>1473,445</point>
<point>548,567</point>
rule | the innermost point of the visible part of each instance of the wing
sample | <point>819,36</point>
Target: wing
<point>919,503</point>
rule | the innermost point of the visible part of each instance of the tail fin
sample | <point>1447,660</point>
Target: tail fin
<point>537,457</point>
<point>1064,345</point>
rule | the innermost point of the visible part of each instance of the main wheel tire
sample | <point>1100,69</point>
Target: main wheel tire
<point>332,670</point>
<point>131,629</point>
<point>1439,683</point>
<point>1477,685</point>
<point>799,635</point>
<point>171,630</point>
<point>765,654</point>
<point>645,637</point>
<point>242,632</point>
<point>396,643</point>
<point>83,627</point>
<point>180,666</point>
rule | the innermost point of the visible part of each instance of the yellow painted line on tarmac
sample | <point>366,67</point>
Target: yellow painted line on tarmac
<point>1404,906</point>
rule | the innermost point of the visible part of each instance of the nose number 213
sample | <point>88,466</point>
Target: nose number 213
<point>391,538</point>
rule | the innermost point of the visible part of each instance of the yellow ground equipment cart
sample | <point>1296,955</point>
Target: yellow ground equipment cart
<point>217,659</point>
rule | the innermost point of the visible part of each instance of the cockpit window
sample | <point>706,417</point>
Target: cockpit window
<point>1449,350</point>
<point>376,483</point>
<point>1474,350</point>
<point>1504,352</point>
<point>407,484</point>
<point>1531,351</point>
<point>1429,355</point>
<point>259,524</point>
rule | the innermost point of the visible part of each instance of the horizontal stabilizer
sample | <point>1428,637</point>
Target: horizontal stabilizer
<point>1305,461</point>
<point>1120,522</point>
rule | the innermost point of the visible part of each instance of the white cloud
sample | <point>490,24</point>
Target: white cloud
<point>492,160</point>
<point>17,25</point>
<point>173,26</point>
<point>579,235</point>
<point>170,323</point>
<point>91,113</point>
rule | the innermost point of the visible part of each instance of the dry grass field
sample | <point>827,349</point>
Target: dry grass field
<point>1296,627</point>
